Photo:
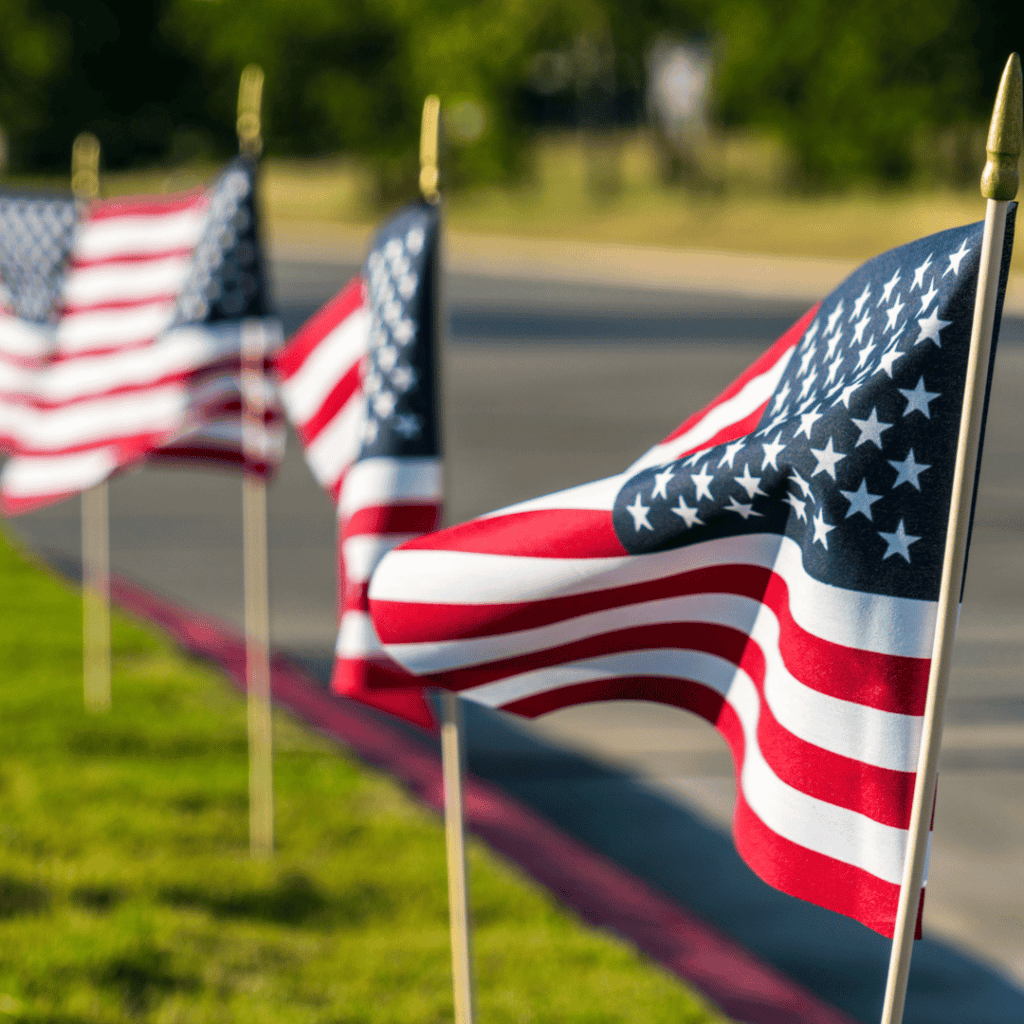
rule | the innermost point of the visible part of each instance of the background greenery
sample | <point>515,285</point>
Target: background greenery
<point>860,90</point>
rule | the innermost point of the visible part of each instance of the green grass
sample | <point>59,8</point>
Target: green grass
<point>127,892</point>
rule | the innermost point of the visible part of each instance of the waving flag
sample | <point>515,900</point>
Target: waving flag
<point>773,566</point>
<point>358,383</point>
<point>146,328</point>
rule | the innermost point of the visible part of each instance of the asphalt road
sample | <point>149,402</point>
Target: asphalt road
<point>552,384</point>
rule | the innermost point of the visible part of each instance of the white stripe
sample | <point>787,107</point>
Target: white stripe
<point>179,352</point>
<point>886,625</point>
<point>751,396</point>
<point>385,480</point>
<point>305,391</point>
<point>141,234</point>
<point>338,444</point>
<point>125,282</point>
<point>27,477</point>
<point>102,420</point>
<point>362,553</point>
<point>598,496</point>
<point>109,328</point>
<point>837,832</point>
<point>880,738</point>
<point>17,380</point>
<point>357,638</point>
<point>23,340</point>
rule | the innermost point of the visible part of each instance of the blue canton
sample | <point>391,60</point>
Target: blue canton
<point>35,239</point>
<point>853,456</point>
<point>399,371</point>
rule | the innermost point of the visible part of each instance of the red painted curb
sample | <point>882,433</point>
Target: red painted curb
<point>602,893</point>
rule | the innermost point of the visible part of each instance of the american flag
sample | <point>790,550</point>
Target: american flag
<point>773,566</point>
<point>358,383</point>
<point>145,320</point>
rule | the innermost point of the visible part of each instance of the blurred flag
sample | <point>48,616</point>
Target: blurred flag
<point>145,357</point>
<point>773,566</point>
<point>358,383</point>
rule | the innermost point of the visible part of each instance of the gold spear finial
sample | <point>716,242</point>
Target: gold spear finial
<point>250,102</point>
<point>428,148</point>
<point>85,167</point>
<point>1000,178</point>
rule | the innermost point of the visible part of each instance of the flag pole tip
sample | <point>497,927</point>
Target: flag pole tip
<point>429,129</point>
<point>1000,177</point>
<point>249,125</point>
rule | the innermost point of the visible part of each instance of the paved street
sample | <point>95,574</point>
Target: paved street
<point>552,384</point>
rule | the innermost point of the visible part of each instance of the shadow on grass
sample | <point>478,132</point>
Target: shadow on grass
<point>140,976</point>
<point>18,898</point>
<point>292,900</point>
<point>97,898</point>
<point>111,741</point>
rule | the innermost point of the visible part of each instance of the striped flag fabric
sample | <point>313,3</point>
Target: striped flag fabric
<point>773,566</point>
<point>358,382</point>
<point>146,326</point>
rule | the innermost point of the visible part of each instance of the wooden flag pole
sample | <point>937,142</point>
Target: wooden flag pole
<point>451,710</point>
<point>85,184</point>
<point>254,527</point>
<point>998,186</point>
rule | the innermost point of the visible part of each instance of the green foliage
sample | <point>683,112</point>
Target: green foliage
<point>127,893</point>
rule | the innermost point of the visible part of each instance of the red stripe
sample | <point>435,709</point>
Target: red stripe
<point>403,698</point>
<point>128,257</point>
<point>759,366</point>
<point>318,326</point>
<point>885,682</point>
<point>543,533</point>
<point>108,209</point>
<point>383,519</point>
<point>117,304</point>
<point>338,398</point>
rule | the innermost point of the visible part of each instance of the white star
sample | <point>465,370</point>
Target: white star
<point>771,451</point>
<point>894,311</point>
<point>687,514</point>
<point>920,271</point>
<point>414,240</point>
<point>702,479</point>
<point>870,430</point>
<point>730,453</point>
<point>832,371</point>
<point>862,357</point>
<point>821,530</point>
<point>887,290</point>
<point>807,421</point>
<point>805,360</point>
<point>830,345</point>
<point>808,383</point>
<point>955,259</point>
<point>826,459</point>
<point>403,377</point>
<point>926,299</point>
<point>858,328</point>
<point>802,484</point>
<point>404,331</point>
<point>847,392</point>
<point>908,471</point>
<point>890,357</point>
<point>639,513</point>
<point>387,357</point>
<point>860,500</point>
<point>780,398</point>
<point>660,483</point>
<point>930,328</point>
<point>407,424</point>
<point>812,331</point>
<point>749,483</point>
<point>384,404</point>
<point>798,505</point>
<point>740,509</point>
<point>370,431</point>
<point>834,316</point>
<point>695,458</point>
<point>898,543</point>
<point>858,305</point>
<point>918,399</point>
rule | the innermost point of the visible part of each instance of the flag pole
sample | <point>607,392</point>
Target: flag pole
<point>254,526</point>
<point>452,748</point>
<point>85,184</point>
<point>998,186</point>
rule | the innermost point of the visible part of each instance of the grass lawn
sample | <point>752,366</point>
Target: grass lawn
<point>127,892</point>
